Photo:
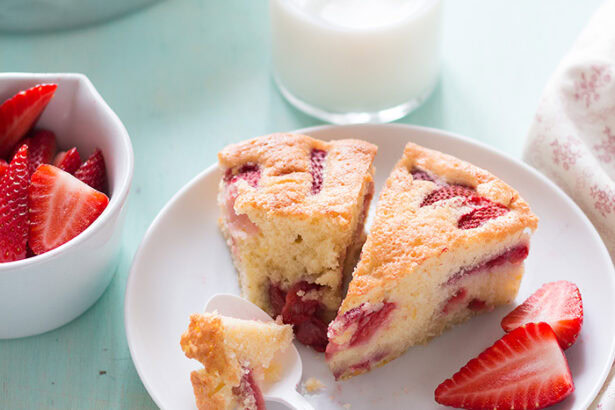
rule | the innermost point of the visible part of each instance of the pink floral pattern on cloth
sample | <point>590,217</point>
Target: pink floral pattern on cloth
<point>572,138</point>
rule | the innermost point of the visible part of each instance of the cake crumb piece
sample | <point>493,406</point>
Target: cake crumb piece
<point>347,406</point>
<point>313,385</point>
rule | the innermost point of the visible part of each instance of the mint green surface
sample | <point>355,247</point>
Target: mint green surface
<point>189,76</point>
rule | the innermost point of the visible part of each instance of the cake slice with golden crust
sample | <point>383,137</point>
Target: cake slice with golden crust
<point>237,356</point>
<point>293,210</point>
<point>448,241</point>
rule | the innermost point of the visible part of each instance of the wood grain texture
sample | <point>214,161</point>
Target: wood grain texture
<point>190,76</point>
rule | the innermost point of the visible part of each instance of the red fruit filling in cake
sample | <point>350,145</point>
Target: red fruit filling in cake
<point>479,216</point>
<point>248,391</point>
<point>514,255</point>
<point>301,308</point>
<point>251,174</point>
<point>421,175</point>
<point>359,323</point>
<point>317,161</point>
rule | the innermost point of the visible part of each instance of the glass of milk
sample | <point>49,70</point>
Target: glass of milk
<point>356,61</point>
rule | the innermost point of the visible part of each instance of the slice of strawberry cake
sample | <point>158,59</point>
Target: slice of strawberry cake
<point>237,355</point>
<point>448,241</point>
<point>293,210</point>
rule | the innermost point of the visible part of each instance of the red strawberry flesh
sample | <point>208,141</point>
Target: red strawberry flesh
<point>447,192</point>
<point>304,314</point>
<point>14,208</point>
<point>479,216</point>
<point>61,207</point>
<point>3,167</point>
<point>41,148</point>
<point>367,320</point>
<point>557,303</point>
<point>19,113</point>
<point>454,300</point>
<point>93,171</point>
<point>525,369</point>
<point>68,161</point>
<point>317,162</point>
<point>248,391</point>
<point>476,305</point>
<point>250,173</point>
<point>420,175</point>
<point>277,299</point>
<point>513,255</point>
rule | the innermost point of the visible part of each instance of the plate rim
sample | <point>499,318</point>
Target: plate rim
<point>442,133</point>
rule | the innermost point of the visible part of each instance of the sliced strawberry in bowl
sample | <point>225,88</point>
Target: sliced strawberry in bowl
<point>68,161</point>
<point>557,303</point>
<point>525,369</point>
<point>61,207</point>
<point>14,208</point>
<point>3,167</point>
<point>41,148</point>
<point>19,113</point>
<point>93,171</point>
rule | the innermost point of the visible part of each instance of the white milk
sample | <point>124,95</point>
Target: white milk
<point>375,59</point>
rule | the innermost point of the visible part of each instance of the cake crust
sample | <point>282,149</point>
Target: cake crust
<point>285,183</point>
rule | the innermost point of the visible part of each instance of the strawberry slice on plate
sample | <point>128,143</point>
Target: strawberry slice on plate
<point>19,113</point>
<point>68,161</point>
<point>557,303</point>
<point>61,207</point>
<point>93,171</point>
<point>14,208</point>
<point>526,369</point>
<point>41,148</point>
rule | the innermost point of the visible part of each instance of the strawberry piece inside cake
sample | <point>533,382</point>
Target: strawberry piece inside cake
<point>237,355</point>
<point>448,241</point>
<point>293,212</point>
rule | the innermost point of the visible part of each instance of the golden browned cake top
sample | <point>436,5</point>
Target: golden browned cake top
<point>409,230</point>
<point>204,341</point>
<point>287,165</point>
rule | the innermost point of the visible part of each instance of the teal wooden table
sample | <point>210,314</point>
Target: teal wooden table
<point>189,76</point>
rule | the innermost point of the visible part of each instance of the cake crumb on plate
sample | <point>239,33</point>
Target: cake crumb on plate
<point>313,385</point>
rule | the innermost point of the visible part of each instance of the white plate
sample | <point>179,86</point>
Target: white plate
<point>183,261</point>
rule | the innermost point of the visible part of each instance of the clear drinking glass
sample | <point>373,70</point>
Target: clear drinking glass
<point>356,61</point>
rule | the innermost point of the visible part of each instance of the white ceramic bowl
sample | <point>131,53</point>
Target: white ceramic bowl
<point>22,16</point>
<point>44,292</point>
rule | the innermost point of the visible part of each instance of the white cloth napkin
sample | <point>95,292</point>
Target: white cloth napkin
<point>572,138</point>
